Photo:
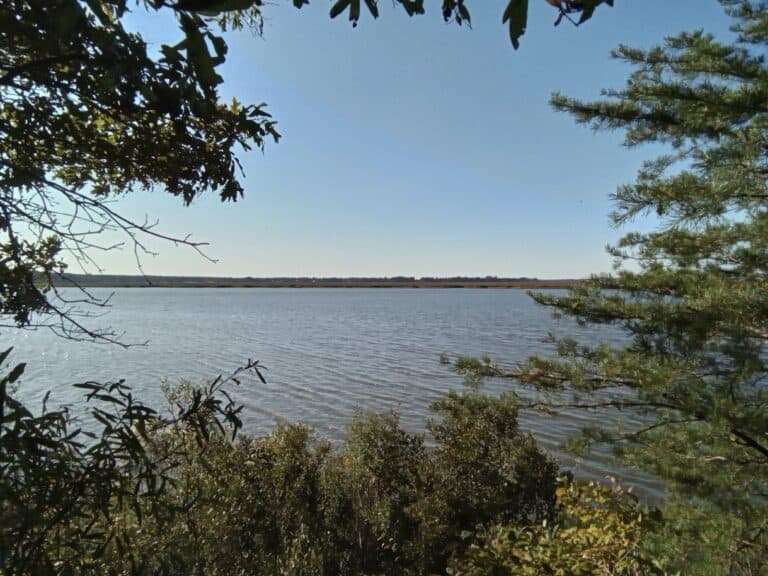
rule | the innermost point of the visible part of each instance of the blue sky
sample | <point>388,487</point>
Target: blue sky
<point>413,147</point>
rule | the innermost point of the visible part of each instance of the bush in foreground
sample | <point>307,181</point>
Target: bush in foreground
<point>179,494</point>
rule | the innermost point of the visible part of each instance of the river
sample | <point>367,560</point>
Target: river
<point>327,352</point>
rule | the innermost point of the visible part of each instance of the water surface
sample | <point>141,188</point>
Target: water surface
<point>328,352</point>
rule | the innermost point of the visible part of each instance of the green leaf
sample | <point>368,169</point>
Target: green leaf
<point>98,9</point>
<point>197,53</point>
<point>413,7</point>
<point>589,8</point>
<point>373,8</point>
<point>464,13</point>
<point>339,7</point>
<point>354,12</point>
<point>214,8</point>
<point>516,14</point>
<point>16,373</point>
<point>4,354</point>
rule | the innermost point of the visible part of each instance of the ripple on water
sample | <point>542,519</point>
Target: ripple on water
<point>327,353</point>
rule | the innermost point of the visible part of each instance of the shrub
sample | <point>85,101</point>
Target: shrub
<point>178,494</point>
<point>597,530</point>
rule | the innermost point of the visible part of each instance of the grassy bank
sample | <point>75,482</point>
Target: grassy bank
<point>120,281</point>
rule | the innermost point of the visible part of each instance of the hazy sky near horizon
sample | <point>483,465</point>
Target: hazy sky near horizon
<point>413,147</point>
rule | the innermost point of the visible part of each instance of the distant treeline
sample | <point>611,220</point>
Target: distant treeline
<point>123,281</point>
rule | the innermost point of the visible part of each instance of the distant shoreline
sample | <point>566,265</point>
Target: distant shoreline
<point>118,281</point>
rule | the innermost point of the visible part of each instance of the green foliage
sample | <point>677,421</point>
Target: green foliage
<point>146,493</point>
<point>491,465</point>
<point>515,15</point>
<point>473,369</point>
<point>88,112</point>
<point>694,301</point>
<point>597,530</point>
<point>71,497</point>
<point>381,503</point>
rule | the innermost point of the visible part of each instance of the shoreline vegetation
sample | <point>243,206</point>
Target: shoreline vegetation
<point>138,281</point>
<point>93,111</point>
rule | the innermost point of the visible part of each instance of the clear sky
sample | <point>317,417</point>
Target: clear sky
<point>413,147</point>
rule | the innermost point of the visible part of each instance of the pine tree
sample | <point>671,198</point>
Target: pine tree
<point>692,294</point>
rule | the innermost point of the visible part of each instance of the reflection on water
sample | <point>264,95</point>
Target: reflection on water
<point>328,352</point>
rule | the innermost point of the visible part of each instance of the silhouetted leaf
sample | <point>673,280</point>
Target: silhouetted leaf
<point>373,7</point>
<point>413,7</point>
<point>589,8</point>
<point>218,6</point>
<point>4,354</point>
<point>464,13</point>
<point>339,7</point>
<point>516,15</point>
<point>16,373</point>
